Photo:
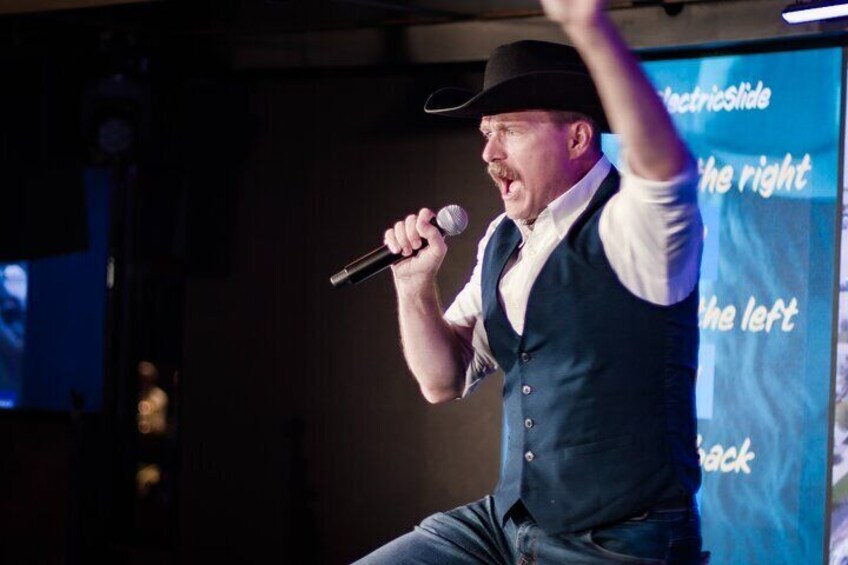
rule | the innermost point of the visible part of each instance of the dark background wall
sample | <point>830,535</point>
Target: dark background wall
<point>300,418</point>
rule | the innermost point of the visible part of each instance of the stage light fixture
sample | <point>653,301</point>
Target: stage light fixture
<point>805,12</point>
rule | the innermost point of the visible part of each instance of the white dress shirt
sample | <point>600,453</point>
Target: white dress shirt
<point>651,232</point>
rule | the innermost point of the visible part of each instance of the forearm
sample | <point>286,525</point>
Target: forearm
<point>430,346</point>
<point>634,110</point>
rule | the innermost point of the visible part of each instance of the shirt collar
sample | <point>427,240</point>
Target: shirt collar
<point>563,211</point>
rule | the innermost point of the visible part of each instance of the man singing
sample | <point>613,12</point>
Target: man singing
<point>585,295</point>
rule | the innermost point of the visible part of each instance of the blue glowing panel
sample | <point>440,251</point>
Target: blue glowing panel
<point>62,347</point>
<point>839,473</point>
<point>764,129</point>
<point>13,308</point>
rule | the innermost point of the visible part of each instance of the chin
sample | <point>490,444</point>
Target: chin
<point>516,214</point>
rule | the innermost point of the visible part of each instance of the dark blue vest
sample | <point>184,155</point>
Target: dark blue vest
<point>598,392</point>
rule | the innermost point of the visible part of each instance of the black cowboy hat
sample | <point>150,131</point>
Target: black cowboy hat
<point>526,75</point>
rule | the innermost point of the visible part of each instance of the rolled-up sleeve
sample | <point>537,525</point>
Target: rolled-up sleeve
<point>653,235</point>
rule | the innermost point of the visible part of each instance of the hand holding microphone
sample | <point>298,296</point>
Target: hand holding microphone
<point>407,239</point>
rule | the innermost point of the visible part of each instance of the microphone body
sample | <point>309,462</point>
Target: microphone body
<point>369,265</point>
<point>451,220</point>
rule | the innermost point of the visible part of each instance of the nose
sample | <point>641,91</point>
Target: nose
<point>493,150</point>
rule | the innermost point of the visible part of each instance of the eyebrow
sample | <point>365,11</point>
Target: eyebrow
<point>500,124</point>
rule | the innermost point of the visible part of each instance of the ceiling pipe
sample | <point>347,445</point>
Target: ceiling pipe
<point>34,6</point>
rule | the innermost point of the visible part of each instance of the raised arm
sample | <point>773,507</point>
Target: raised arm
<point>431,347</point>
<point>635,112</point>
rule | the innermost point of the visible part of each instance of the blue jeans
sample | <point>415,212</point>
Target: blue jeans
<point>472,534</point>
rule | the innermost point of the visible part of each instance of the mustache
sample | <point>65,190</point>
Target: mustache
<point>500,171</point>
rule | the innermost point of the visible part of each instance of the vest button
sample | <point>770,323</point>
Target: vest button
<point>525,357</point>
<point>526,389</point>
<point>529,456</point>
<point>528,423</point>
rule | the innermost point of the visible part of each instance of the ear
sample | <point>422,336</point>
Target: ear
<point>580,139</point>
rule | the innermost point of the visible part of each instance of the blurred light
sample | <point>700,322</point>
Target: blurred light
<point>15,281</point>
<point>804,12</point>
<point>153,401</point>
<point>147,369</point>
<point>147,477</point>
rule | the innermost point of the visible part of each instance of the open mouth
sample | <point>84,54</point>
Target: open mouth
<point>504,179</point>
<point>507,187</point>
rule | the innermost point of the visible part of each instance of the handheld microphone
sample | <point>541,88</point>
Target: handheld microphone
<point>451,220</point>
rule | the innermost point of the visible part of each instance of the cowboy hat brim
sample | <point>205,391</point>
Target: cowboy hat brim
<point>554,90</point>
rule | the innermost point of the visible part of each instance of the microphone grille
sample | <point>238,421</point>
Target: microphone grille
<point>452,219</point>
